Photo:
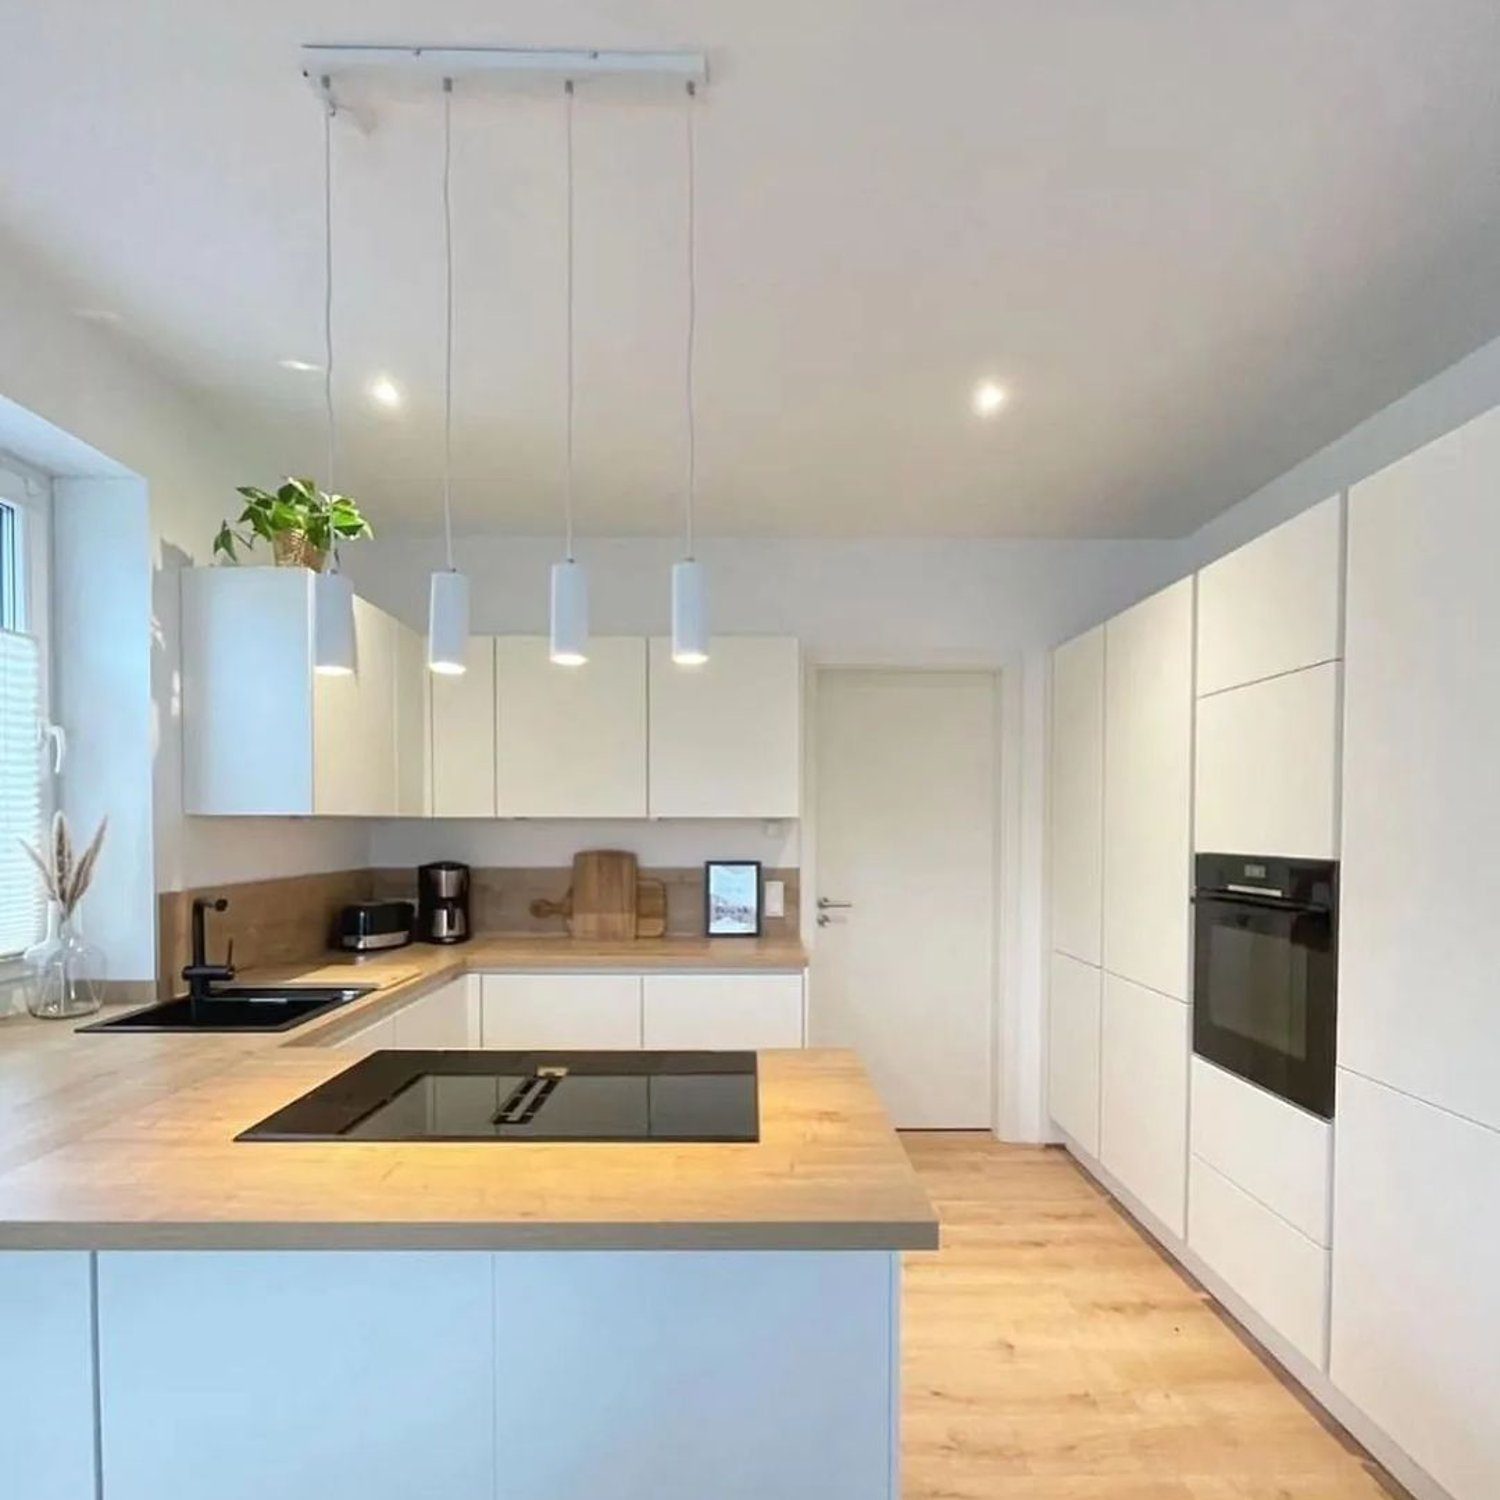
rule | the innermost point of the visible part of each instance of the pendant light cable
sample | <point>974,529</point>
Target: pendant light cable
<point>568,488</point>
<point>692,313</point>
<point>333,451</point>
<point>448,321</point>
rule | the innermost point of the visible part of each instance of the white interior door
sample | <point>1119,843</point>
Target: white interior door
<point>904,952</point>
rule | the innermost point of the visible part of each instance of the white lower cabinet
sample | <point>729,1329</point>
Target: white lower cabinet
<point>730,1011</point>
<point>1074,999</point>
<point>1416,1295</point>
<point>295,1375</point>
<point>1281,1274</point>
<point>559,1011</point>
<point>1277,1153</point>
<point>371,1038</point>
<point>1143,1119</point>
<point>449,1017</point>
<point>47,1375</point>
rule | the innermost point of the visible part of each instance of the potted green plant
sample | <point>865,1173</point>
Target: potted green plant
<point>300,521</point>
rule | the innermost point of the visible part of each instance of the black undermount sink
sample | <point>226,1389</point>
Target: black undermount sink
<point>236,1008</point>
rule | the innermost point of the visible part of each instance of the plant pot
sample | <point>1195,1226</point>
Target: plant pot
<point>291,549</point>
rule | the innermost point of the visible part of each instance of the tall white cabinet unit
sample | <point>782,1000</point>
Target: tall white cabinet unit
<point>1077,852</point>
<point>1417,1137</point>
<point>266,734</point>
<point>1148,759</point>
<point>726,736</point>
<point>1270,637</point>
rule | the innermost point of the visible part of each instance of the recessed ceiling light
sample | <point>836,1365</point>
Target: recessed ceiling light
<point>302,366</point>
<point>105,315</point>
<point>385,392</point>
<point>988,398</point>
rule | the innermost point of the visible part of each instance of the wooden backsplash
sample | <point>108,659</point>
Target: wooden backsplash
<point>500,898</point>
<point>287,920</point>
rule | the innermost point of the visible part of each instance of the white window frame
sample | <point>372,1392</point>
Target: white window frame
<point>28,493</point>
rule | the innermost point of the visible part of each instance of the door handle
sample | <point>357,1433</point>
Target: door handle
<point>824,904</point>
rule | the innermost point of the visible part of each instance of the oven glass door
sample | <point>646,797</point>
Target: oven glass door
<point>1263,994</point>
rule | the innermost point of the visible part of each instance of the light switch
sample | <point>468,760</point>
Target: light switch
<point>775,898</point>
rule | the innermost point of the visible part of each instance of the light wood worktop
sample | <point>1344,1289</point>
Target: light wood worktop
<point>828,1173</point>
<point>128,1140</point>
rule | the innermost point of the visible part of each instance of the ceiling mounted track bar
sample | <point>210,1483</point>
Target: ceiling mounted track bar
<point>325,65</point>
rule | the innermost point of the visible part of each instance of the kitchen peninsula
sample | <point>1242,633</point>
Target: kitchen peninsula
<point>202,1315</point>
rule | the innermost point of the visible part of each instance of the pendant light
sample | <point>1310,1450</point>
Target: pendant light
<point>334,651</point>
<point>570,589</point>
<point>448,599</point>
<point>689,592</point>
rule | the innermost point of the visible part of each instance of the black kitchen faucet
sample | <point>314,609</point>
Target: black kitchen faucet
<point>201,976</point>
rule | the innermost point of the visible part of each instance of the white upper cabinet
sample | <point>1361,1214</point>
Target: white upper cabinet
<point>1148,754</point>
<point>462,757</point>
<point>726,737</point>
<point>571,741</point>
<point>354,724</point>
<point>1420,881</point>
<point>1267,767</point>
<point>263,733</point>
<point>1272,606</point>
<point>1077,812</point>
<point>413,784</point>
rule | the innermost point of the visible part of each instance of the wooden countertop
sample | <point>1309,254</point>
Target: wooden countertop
<point>127,1141</point>
<point>828,1173</point>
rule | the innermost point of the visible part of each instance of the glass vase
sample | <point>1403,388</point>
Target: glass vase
<point>64,974</point>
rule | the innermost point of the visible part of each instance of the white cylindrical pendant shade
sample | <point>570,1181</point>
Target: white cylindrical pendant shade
<point>689,614</point>
<point>448,623</point>
<point>570,614</point>
<point>334,651</point>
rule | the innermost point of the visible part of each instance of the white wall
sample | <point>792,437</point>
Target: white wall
<point>77,399</point>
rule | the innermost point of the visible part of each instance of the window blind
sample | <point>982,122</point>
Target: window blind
<point>20,791</point>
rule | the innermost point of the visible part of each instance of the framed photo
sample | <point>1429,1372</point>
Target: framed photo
<point>732,897</point>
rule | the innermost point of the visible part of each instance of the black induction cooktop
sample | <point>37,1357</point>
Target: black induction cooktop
<point>527,1096</point>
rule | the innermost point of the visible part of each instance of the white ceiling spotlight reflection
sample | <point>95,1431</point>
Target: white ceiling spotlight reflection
<point>988,398</point>
<point>385,392</point>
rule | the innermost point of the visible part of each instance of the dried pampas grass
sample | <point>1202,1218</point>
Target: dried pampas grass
<point>65,879</point>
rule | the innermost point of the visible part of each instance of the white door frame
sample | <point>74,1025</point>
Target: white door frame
<point>1004,881</point>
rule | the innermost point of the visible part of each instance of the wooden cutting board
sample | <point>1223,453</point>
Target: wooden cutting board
<point>650,908</point>
<point>604,882</point>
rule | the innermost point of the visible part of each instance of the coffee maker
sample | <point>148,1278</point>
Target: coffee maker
<point>443,902</point>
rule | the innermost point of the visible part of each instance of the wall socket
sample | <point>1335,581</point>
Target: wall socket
<point>775,898</point>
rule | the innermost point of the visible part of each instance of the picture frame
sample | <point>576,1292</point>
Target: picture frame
<point>732,898</point>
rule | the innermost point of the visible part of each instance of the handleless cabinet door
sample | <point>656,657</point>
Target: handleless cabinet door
<point>715,1012</point>
<point>1148,790</point>
<point>571,741</point>
<point>1273,605</point>
<point>354,724</point>
<point>413,727</point>
<point>1143,1124</point>
<point>463,736</point>
<point>1073,1027</point>
<point>1420,883</point>
<point>1078,795</point>
<point>448,1017</point>
<point>726,736</point>
<point>593,1012</point>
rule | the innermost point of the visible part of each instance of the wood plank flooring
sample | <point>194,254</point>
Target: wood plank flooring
<point>1052,1353</point>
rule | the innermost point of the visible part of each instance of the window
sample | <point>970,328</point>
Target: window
<point>25,512</point>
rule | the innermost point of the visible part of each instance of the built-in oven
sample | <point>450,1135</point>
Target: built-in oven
<point>1265,978</point>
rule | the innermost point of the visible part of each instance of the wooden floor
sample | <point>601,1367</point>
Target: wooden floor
<point>1052,1353</point>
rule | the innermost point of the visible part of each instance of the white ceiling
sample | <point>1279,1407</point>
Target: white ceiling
<point>1194,240</point>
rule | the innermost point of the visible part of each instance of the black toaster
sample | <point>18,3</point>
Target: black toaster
<point>369,925</point>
